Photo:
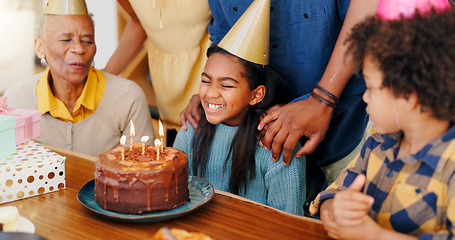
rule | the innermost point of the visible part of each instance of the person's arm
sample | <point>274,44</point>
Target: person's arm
<point>191,114</point>
<point>310,117</point>
<point>130,43</point>
<point>219,25</point>
<point>340,69</point>
<point>217,28</point>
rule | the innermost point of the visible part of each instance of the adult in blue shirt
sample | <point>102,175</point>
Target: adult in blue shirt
<point>307,48</point>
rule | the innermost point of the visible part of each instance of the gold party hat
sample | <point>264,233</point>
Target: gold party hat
<point>249,37</point>
<point>66,7</point>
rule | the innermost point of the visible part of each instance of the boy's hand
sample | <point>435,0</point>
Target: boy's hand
<point>368,228</point>
<point>350,207</point>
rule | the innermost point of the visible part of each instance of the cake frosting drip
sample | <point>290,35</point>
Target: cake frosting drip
<point>147,168</point>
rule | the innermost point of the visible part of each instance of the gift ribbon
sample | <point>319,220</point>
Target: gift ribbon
<point>28,118</point>
<point>3,106</point>
<point>16,112</point>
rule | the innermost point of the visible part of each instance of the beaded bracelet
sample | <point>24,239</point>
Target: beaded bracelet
<point>333,97</point>
<point>323,100</point>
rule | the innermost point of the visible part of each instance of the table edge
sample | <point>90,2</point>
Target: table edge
<point>231,195</point>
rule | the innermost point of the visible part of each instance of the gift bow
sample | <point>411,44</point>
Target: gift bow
<point>3,106</point>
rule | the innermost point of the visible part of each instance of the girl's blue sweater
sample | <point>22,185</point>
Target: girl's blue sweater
<point>276,185</point>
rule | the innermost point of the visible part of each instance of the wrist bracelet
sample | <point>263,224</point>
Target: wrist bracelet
<point>333,97</point>
<point>323,100</point>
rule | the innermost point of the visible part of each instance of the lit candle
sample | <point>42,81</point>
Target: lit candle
<point>158,146</point>
<point>132,134</point>
<point>161,132</point>
<point>143,140</point>
<point>122,142</point>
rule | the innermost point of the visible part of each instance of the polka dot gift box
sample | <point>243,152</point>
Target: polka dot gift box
<point>32,171</point>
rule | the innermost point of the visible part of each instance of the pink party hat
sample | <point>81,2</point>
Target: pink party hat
<point>394,9</point>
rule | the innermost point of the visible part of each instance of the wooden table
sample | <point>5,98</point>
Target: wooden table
<point>59,215</point>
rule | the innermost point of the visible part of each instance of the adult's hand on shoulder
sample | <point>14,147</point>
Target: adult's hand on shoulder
<point>191,113</point>
<point>289,123</point>
<point>262,132</point>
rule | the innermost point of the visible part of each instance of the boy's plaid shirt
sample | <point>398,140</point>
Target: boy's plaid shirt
<point>413,195</point>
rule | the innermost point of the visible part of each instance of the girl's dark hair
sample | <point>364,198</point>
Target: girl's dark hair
<point>416,55</point>
<point>243,162</point>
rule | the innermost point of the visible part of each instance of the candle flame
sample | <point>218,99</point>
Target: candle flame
<point>122,140</point>
<point>157,143</point>
<point>161,131</point>
<point>144,139</point>
<point>132,132</point>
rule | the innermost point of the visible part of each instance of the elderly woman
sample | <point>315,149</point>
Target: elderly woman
<point>83,109</point>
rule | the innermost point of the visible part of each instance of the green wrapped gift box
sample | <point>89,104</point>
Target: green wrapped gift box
<point>7,135</point>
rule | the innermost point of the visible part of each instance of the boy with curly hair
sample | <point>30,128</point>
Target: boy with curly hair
<point>402,185</point>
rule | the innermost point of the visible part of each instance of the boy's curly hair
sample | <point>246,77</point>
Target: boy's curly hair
<point>415,55</point>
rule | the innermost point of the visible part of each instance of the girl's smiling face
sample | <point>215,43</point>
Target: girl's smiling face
<point>224,90</point>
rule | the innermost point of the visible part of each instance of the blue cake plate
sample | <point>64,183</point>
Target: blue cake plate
<point>201,192</point>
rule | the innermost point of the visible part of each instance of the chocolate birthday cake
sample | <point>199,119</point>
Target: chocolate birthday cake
<point>143,180</point>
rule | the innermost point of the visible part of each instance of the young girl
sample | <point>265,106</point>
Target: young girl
<point>224,149</point>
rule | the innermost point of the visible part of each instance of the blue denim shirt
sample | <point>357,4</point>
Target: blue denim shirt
<point>303,34</point>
